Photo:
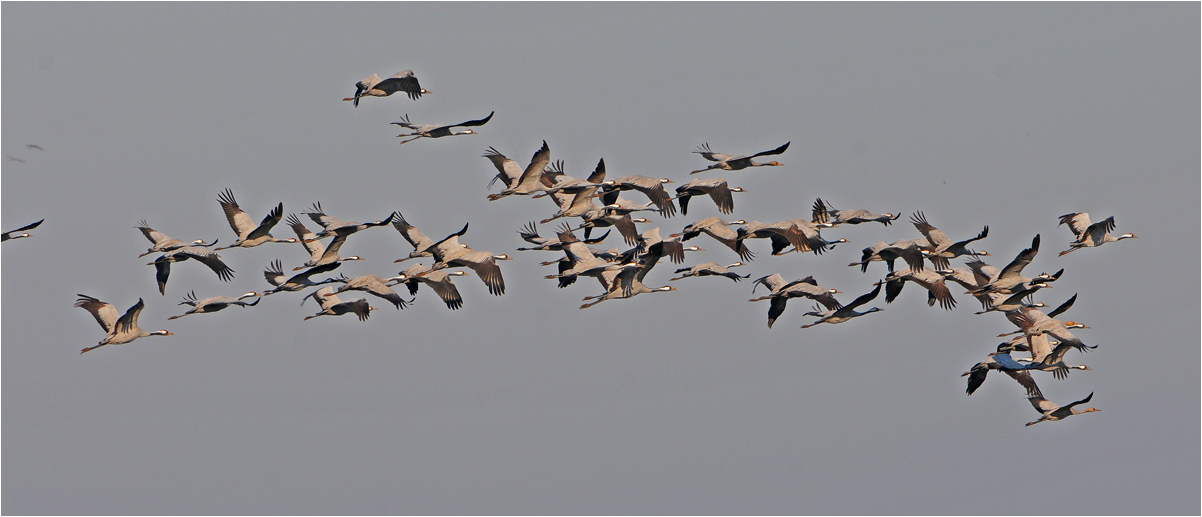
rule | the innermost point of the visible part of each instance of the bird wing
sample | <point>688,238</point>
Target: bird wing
<point>483,263</point>
<point>154,236</point>
<point>933,235</point>
<point>268,222</point>
<point>300,277</point>
<point>778,150</point>
<point>29,226</point>
<point>1024,257</point>
<point>863,299</point>
<point>773,282</point>
<point>162,270</point>
<point>209,258</point>
<point>129,320</point>
<point>529,180</point>
<point>1026,381</point>
<point>401,81</point>
<point>1077,222</point>
<point>239,220</point>
<point>1063,307</point>
<point>705,152</point>
<point>1042,405</point>
<point>104,312</point>
<point>441,283</point>
<point>1098,230</point>
<point>507,170</point>
<point>471,123</point>
<point>274,273</point>
<point>306,238</point>
<point>415,237</point>
<point>720,193</point>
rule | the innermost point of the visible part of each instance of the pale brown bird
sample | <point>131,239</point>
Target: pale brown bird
<point>118,330</point>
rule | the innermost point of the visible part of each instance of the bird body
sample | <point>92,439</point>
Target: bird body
<point>319,254</point>
<point>780,292</point>
<point>529,181</point>
<point>717,228</point>
<point>450,253</point>
<point>711,269</point>
<point>824,213</point>
<point>374,285</point>
<point>438,280</point>
<point>298,282</point>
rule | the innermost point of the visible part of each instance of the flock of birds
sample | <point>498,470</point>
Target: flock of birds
<point>598,203</point>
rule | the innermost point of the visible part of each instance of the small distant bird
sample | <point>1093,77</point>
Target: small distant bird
<point>9,234</point>
<point>710,269</point>
<point>214,303</point>
<point>436,130</point>
<point>400,82</point>
<point>846,312</point>
<point>1052,412</point>
<point>14,159</point>
<point>331,305</point>
<point>118,330</point>
<point>163,243</point>
<point>249,235</point>
<point>34,146</point>
<point>823,213</point>
<point>734,163</point>
<point>162,265</point>
<point>1090,235</point>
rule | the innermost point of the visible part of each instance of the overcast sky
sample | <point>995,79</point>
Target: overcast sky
<point>1006,115</point>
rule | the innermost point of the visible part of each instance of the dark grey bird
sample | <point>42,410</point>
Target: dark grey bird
<point>1010,279</point>
<point>298,282</point>
<point>438,130</point>
<point>1090,235</point>
<point>710,269</point>
<point>717,228</point>
<point>1001,361</point>
<point>331,305</point>
<point>846,312</point>
<point>909,250</point>
<point>319,254</point>
<point>249,234</point>
<point>823,212</point>
<point>716,188</point>
<point>942,248</point>
<point>332,226</point>
<point>373,285</point>
<point>530,179</point>
<point>450,253</point>
<point>1051,412</point>
<point>400,82</point>
<point>734,163</point>
<point>780,292</point>
<point>12,234</point>
<point>162,264</point>
<point>933,282</point>
<point>162,243</point>
<point>438,280</point>
<point>653,188</point>
<point>118,330</point>
<point>214,303</point>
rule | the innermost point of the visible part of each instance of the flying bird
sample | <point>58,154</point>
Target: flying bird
<point>1090,235</point>
<point>12,234</point>
<point>214,303</point>
<point>331,305</point>
<point>436,130</point>
<point>162,265</point>
<point>118,330</point>
<point>249,235</point>
<point>400,82</point>
<point>162,243</point>
<point>734,163</point>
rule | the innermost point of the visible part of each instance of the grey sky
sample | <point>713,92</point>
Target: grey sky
<point>1005,115</point>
